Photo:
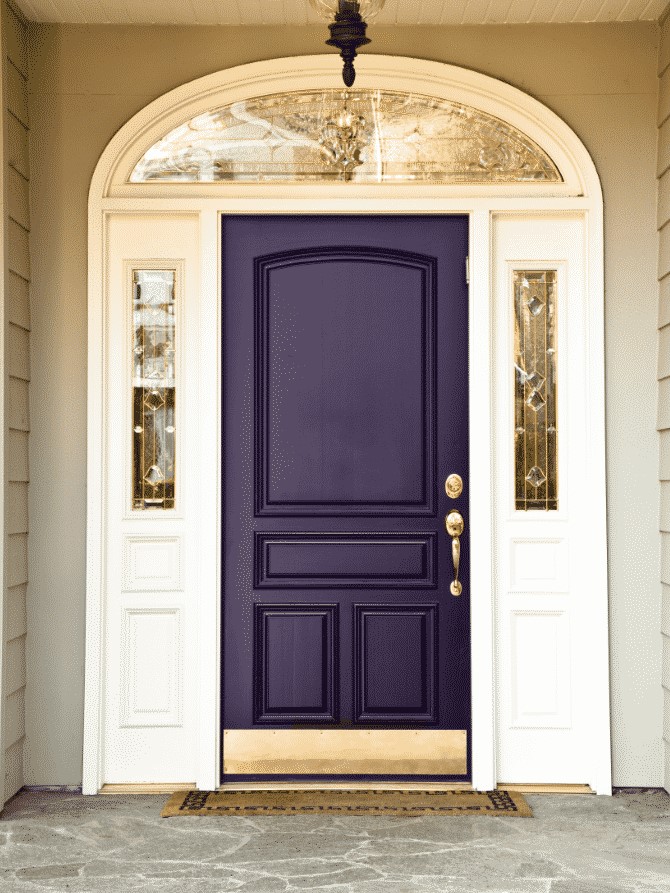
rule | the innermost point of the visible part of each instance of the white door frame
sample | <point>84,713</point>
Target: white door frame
<point>112,196</point>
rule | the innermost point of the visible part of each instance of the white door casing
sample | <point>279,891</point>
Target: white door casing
<point>153,584</point>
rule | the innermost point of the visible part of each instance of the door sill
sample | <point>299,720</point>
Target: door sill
<point>547,788</point>
<point>345,786</point>
<point>166,788</point>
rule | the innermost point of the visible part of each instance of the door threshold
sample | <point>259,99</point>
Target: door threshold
<point>166,788</point>
<point>345,786</point>
<point>547,788</point>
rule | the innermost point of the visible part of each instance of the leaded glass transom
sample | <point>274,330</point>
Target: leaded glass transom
<point>364,136</point>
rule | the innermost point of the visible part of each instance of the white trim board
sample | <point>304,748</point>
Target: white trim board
<point>140,213</point>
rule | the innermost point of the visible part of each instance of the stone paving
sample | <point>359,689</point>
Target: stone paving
<point>574,844</point>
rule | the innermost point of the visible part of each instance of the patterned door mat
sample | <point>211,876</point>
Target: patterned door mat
<point>337,802</point>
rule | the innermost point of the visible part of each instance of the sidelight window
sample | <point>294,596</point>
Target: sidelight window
<point>153,411</point>
<point>535,421</point>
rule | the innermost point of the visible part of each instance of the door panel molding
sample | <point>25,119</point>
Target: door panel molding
<point>419,625</point>
<point>312,697</point>
<point>268,355</point>
<point>282,563</point>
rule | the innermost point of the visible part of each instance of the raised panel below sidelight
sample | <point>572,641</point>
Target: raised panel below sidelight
<point>295,663</point>
<point>395,663</point>
<point>539,565</point>
<point>541,669</point>
<point>152,563</point>
<point>151,667</point>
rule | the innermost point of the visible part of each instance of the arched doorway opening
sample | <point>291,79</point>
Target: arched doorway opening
<point>530,196</point>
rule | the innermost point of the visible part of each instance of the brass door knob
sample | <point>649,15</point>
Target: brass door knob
<point>455,524</point>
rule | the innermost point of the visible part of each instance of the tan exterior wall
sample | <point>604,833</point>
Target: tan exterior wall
<point>87,81</point>
<point>17,378</point>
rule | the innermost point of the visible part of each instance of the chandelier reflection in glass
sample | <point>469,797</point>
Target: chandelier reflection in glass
<point>343,139</point>
<point>348,25</point>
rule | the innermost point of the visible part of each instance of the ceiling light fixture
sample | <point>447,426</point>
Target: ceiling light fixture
<point>347,28</point>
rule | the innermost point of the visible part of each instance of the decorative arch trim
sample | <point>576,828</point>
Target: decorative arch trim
<point>441,82</point>
<point>172,220</point>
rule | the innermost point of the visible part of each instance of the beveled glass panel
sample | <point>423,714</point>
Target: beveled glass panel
<point>535,434</point>
<point>154,389</point>
<point>366,136</point>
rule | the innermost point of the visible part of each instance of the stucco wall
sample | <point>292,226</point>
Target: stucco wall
<point>87,81</point>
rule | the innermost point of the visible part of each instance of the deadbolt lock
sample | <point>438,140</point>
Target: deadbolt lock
<point>453,486</point>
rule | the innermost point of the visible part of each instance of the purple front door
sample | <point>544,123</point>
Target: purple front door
<point>345,409</point>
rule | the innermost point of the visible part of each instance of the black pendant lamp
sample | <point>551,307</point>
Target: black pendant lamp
<point>348,21</point>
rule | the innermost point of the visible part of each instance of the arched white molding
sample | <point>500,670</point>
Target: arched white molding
<point>433,79</point>
<point>112,198</point>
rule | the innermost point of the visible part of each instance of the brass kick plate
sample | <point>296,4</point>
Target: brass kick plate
<point>344,752</point>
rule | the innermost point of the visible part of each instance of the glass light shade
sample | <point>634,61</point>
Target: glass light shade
<point>327,9</point>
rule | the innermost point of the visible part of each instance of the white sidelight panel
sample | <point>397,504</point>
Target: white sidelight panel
<point>550,572</point>
<point>150,577</point>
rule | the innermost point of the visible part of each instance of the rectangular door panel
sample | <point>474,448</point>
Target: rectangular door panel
<point>345,560</point>
<point>396,663</point>
<point>296,665</point>
<point>365,350</point>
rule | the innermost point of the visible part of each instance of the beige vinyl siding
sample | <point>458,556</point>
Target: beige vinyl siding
<point>17,377</point>
<point>664,367</point>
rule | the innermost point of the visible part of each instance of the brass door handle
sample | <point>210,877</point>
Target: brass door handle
<point>455,526</point>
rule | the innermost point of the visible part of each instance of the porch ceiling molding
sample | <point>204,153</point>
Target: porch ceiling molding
<point>318,72</point>
<point>298,12</point>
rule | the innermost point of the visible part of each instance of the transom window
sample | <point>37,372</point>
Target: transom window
<point>365,136</point>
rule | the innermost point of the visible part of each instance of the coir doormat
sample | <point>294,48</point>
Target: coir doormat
<point>336,802</point>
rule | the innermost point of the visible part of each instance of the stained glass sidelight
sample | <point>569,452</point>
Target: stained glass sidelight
<point>535,434</point>
<point>154,389</point>
<point>365,136</point>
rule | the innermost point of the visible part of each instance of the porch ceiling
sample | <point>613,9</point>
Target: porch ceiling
<point>298,12</point>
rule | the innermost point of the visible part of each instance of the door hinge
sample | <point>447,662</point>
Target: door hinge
<point>467,270</point>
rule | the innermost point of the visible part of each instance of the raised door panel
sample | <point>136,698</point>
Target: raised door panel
<point>345,560</point>
<point>395,667</point>
<point>366,352</point>
<point>296,663</point>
